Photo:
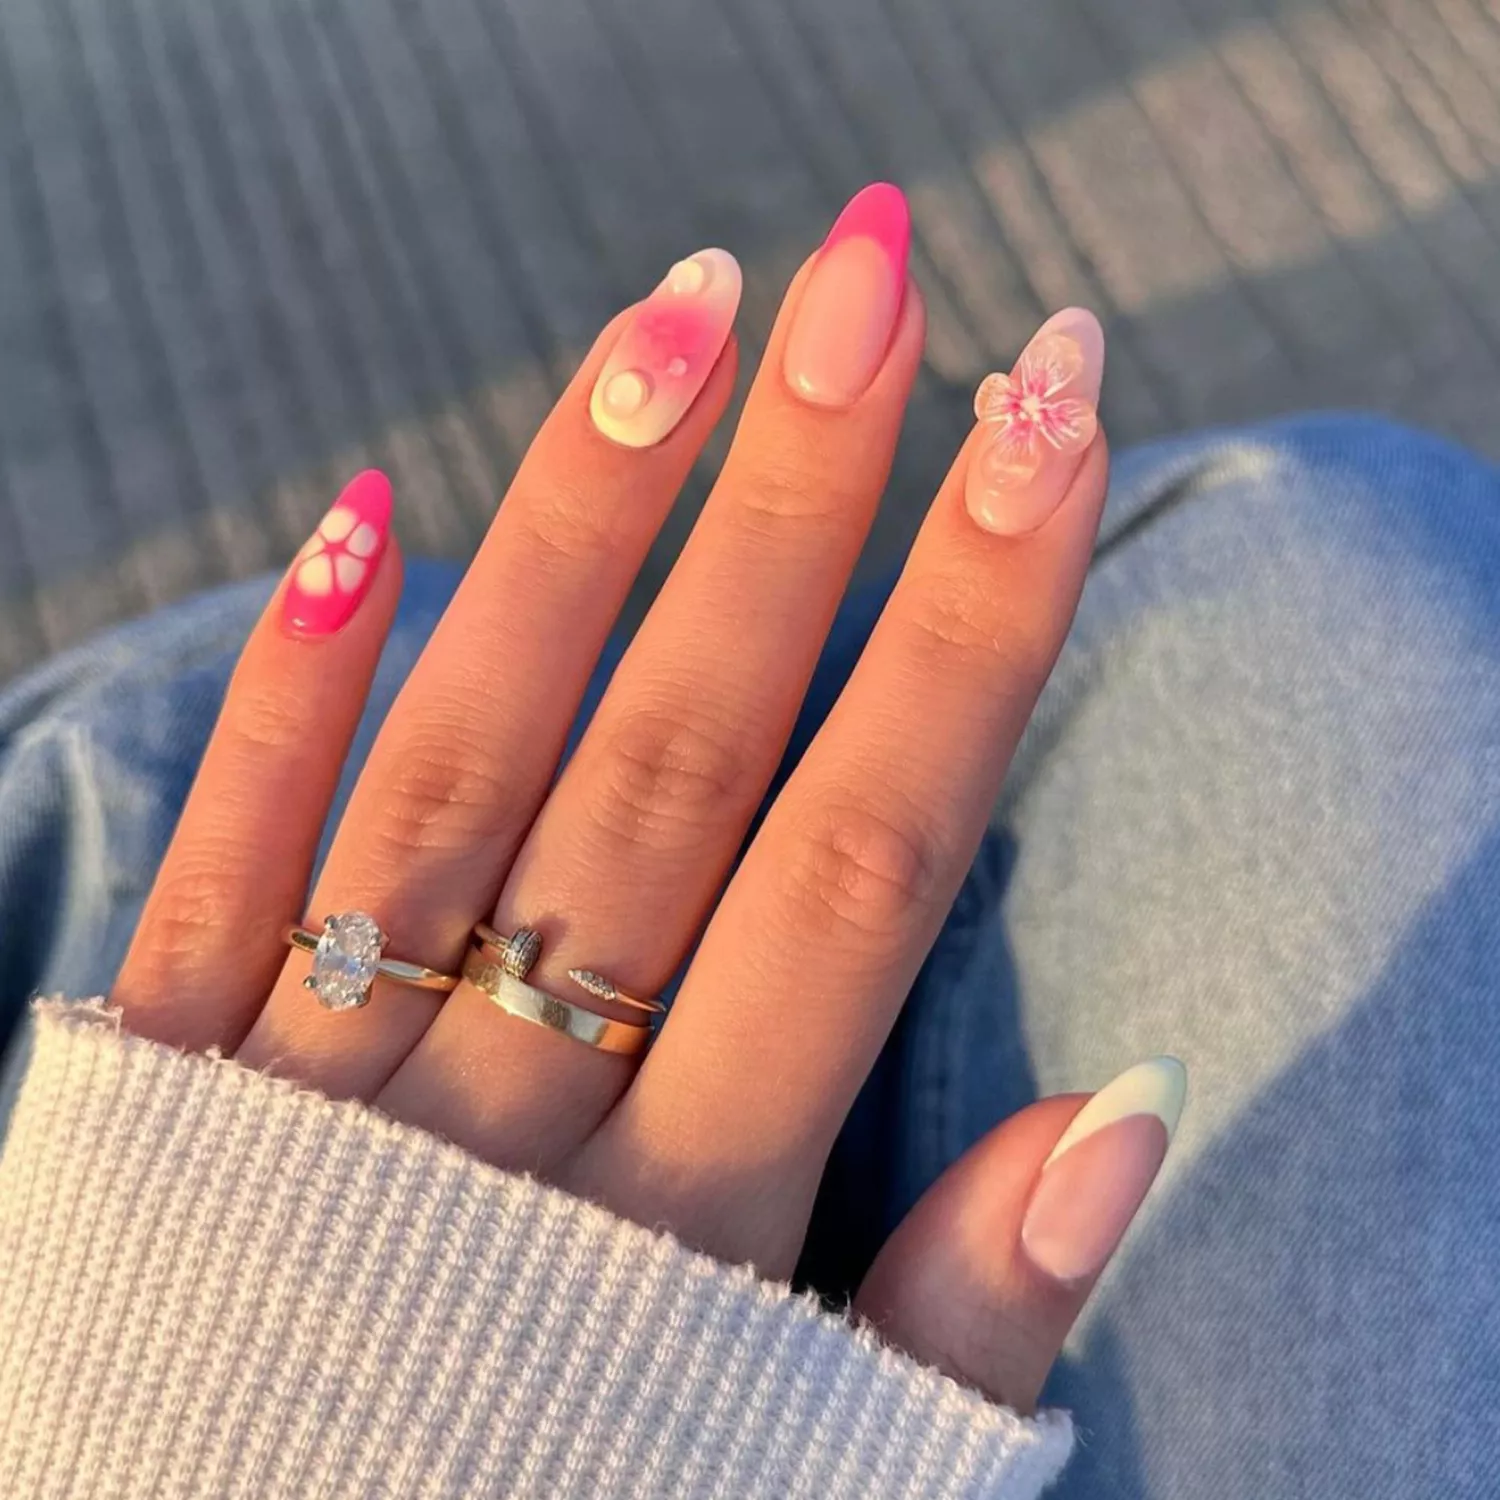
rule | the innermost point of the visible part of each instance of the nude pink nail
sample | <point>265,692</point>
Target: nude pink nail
<point>1035,425</point>
<point>1101,1169</point>
<point>667,351</point>
<point>334,571</point>
<point>851,301</point>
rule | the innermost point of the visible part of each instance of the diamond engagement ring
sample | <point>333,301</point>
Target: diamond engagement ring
<point>349,954</point>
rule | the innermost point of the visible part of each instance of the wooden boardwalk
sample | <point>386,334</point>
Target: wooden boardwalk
<point>249,245</point>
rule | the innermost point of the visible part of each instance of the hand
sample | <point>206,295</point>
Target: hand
<point>805,957</point>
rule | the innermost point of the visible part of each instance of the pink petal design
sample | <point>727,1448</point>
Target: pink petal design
<point>1047,365</point>
<point>1068,424</point>
<point>1014,436</point>
<point>992,399</point>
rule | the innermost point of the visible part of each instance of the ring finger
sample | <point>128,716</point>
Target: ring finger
<point>633,844</point>
<point>471,744</point>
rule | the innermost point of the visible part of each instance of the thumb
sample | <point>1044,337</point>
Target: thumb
<point>984,1277</point>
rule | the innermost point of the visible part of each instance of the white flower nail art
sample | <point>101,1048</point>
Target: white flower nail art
<point>335,559</point>
<point>337,567</point>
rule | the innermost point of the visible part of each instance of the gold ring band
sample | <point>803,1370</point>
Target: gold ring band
<point>518,954</point>
<point>518,998</point>
<point>606,989</point>
<point>349,955</point>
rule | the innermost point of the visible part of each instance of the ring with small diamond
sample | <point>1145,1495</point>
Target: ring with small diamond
<point>606,989</point>
<point>349,955</point>
<point>518,954</point>
<point>497,967</point>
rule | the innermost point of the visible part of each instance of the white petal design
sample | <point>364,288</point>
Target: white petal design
<point>364,541</point>
<point>989,399</point>
<point>1049,364</point>
<point>1070,424</point>
<point>338,523</point>
<point>315,577</point>
<point>349,570</point>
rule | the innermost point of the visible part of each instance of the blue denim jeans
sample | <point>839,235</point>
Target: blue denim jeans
<point>1256,822</point>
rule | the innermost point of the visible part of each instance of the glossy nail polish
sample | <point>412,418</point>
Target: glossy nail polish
<point>334,571</point>
<point>851,301</point>
<point>1035,424</point>
<point>1101,1169</point>
<point>667,350</point>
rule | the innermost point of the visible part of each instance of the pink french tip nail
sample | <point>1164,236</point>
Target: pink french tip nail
<point>851,301</point>
<point>333,572</point>
<point>1101,1169</point>
<point>667,351</point>
<point>1035,424</point>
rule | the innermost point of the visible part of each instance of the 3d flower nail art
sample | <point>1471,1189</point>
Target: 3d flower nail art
<point>667,350</point>
<point>1031,407</point>
<point>333,572</point>
<point>1034,425</point>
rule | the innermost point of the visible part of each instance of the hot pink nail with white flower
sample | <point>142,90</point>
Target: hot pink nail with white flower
<point>334,571</point>
<point>1035,422</point>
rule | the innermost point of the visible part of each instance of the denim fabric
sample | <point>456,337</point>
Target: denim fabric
<point>1255,823</point>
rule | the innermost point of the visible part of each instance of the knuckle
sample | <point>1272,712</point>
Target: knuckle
<point>191,902</point>
<point>859,869</point>
<point>795,482</point>
<point>567,526</point>
<point>269,719</point>
<point>440,789</point>
<point>666,777</point>
<point>959,623</point>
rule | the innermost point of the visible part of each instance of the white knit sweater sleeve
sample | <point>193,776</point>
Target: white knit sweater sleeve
<point>213,1283</point>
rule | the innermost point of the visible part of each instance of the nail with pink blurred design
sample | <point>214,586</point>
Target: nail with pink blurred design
<point>667,351</point>
<point>334,571</point>
<point>851,301</point>
<point>1100,1171</point>
<point>1035,425</point>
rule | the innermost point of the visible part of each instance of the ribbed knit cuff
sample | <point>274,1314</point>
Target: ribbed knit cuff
<point>214,1283</point>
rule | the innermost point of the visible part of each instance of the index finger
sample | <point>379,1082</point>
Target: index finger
<point>812,951</point>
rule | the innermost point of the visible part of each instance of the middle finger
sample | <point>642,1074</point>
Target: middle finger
<point>632,846</point>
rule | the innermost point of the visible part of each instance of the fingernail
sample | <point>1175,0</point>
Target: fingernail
<point>851,300</point>
<point>334,571</point>
<point>1035,424</point>
<point>667,351</point>
<point>1100,1171</point>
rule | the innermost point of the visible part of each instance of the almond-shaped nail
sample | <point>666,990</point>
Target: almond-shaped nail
<point>667,350</point>
<point>1035,424</point>
<point>333,572</point>
<point>1101,1169</point>
<point>851,300</point>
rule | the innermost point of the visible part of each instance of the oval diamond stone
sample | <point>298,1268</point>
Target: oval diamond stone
<point>344,962</point>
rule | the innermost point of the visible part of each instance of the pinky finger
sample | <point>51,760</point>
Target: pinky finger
<point>210,944</point>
